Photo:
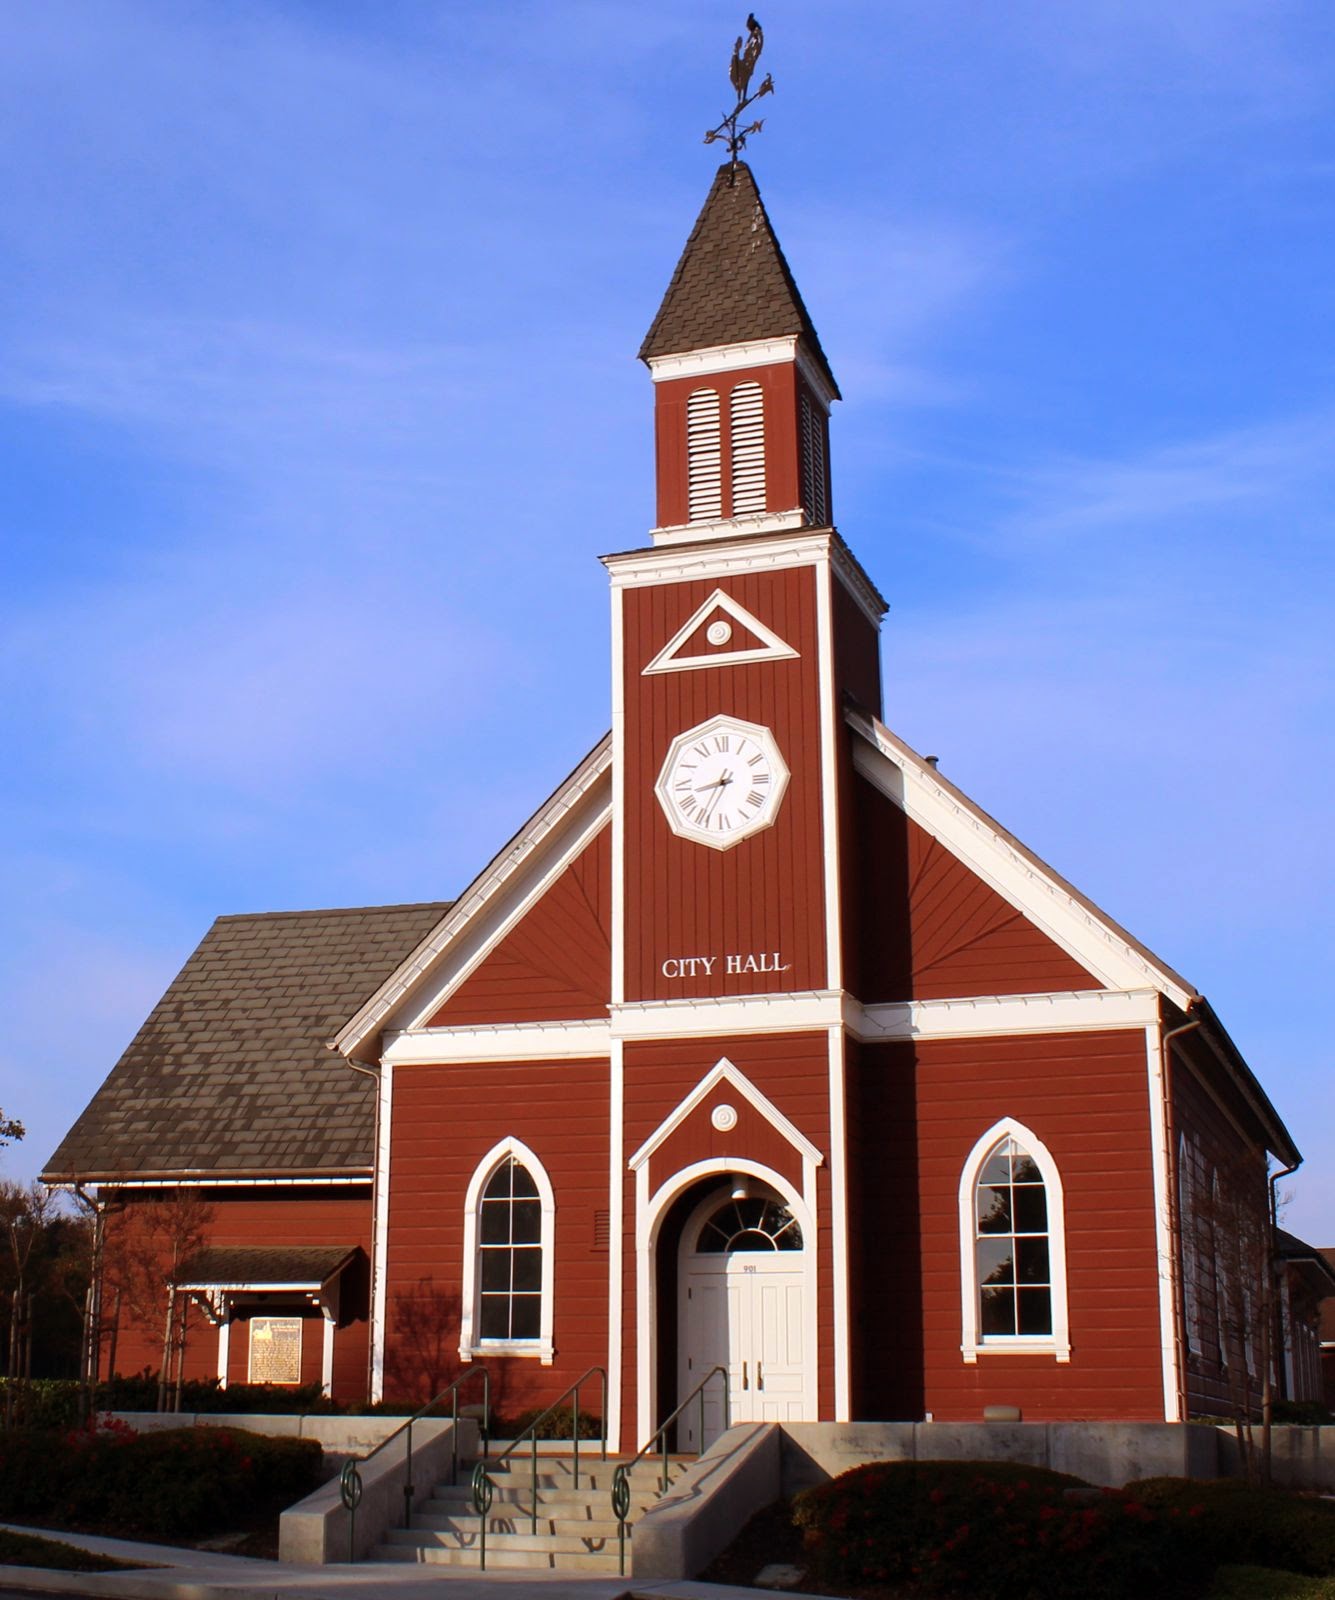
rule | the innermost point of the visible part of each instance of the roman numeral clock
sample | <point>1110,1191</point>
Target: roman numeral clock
<point>722,781</point>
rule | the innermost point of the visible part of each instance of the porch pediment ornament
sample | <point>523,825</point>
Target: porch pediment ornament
<point>725,1072</point>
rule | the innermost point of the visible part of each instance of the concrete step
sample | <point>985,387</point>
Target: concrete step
<point>500,1557</point>
<point>519,1539</point>
<point>596,1524</point>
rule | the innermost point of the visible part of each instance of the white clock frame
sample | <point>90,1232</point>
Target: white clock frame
<point>682,826</point>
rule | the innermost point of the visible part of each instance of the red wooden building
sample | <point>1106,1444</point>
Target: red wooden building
<point>761,1044</point>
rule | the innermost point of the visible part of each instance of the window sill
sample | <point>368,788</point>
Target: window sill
<point>539,1349</point>
<point>1017,1346</point>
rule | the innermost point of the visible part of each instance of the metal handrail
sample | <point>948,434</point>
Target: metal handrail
<point>621,1477</point>
<point>451,1389</point>
<point>484,1488</point>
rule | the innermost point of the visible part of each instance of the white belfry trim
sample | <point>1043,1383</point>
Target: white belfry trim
<point>744,527</point>
<point>972,1342</point>
<point>1031,887</point>
<point>502,1041</point>
<point>725,1072</point>
<point>718,558</point>
<point>839,1228</point>
<point>829,778</point>
<point>723,358</point>
<point>618,743</point>
<point>1163,1220</point>
<point>771,648</point>
<point>616,1243</point>
<point>399,987</point>
<point>380,1234</point>
<point>542,1345</point>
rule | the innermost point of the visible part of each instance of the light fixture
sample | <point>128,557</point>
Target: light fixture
<point>741,1187</point>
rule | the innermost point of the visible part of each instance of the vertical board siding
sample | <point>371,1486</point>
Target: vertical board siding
<point>753,1139</point>
<point>792,1070</point>
<point>297,1217</point>
<point>555,964</point>
<point>445,1120</point>
<point>1085,1097</point>
<point>930,929</point>
<point>683,898</point>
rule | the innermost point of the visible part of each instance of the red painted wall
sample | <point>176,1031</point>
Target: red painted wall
<point>918,1110</point>
<point>766,893</point>
<point>926,928</point>
<point>444,1121</point>
<point>554,965</point>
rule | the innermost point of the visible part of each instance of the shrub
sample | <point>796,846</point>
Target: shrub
<point>1243,1525</point>
<point>560,1425</point>
<point>180,1482</point>
<point>1302,1413</point>
<point>994,1531</point>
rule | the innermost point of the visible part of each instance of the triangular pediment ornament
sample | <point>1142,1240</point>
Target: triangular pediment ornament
<point>756,1099</point>
<point>720,633</point>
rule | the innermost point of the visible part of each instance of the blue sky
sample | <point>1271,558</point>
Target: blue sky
<point>318,400</point>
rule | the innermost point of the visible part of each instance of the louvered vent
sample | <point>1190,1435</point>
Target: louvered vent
<point>748,449</point>
<point>813,464</point>
<point>704,465</point>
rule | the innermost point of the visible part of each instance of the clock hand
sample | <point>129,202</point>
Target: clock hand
<point>718,794</point>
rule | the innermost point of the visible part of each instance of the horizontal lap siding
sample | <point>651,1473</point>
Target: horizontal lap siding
<point>683,898</point>
<point>297,1217</point>
<point>928,928</point>
<point>556,963</point>
<point>1086,1097</point>
<point>792,1070</point>
<point>445,1120</point>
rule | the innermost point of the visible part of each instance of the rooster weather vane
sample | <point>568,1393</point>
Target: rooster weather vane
<point>740,68</point>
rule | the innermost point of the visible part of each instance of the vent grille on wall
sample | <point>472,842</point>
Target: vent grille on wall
<point>748,449</point>
<point>704,464</point>
<point>813,464</point>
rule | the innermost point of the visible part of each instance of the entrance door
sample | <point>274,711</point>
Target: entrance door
<point>742,1280</point>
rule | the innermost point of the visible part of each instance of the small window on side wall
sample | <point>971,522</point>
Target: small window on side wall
<point>509,1222</point>
<point>1012,1247</point>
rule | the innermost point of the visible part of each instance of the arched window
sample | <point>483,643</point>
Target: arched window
<point>509,1220</point>
<point>753,1224</point>
<point>1012,1247</point>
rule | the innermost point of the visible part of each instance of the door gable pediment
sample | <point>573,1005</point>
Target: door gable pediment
<point>724,1072</point>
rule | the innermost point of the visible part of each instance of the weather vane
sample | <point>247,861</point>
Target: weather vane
<point>743,64</point>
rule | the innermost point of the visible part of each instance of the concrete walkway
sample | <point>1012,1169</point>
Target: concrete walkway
<point>204,1575</point>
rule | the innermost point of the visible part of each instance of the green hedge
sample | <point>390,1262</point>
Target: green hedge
<point>180,1482</point>
<point>58,1402</point>
<point>1241,1525</point>
<point>994,1531</point>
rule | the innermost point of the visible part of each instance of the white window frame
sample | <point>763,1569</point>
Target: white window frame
<point>542,1347</point>
<point>973,1342</point>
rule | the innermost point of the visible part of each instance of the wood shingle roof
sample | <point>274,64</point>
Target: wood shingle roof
<point>231,1075</point>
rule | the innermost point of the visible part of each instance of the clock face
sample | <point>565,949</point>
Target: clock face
<point>721,782</point>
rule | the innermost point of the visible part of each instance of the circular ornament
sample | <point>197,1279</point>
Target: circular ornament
<point>719,632</point>
<point>724,1118</point>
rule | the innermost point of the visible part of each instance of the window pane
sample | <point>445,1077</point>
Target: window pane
<point>1025,1169</point>
<point>494,1223</point>
<point>494,1316</point>
<point>751,1239</point>
<point>1031,1209</point>
<point>527,1222</point>
<point>495,1271</point>
<point>528,1269</point>
<point>997,1168</point>
<point>498,1185</point>
<point>995,1262</point>
<point>998,1311</point>
<point>526,1318</point>
<point>1035,1311</point>
<point>524,1185</point>
<point>1031,1257</point>
<point>994,1210</point>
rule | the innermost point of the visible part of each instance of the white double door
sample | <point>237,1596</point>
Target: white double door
<point>745,1311</point>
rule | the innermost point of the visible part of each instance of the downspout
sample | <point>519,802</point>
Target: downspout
<point>1276,1313</point>
<point>1175,1209</point>
<point>373,1073</point>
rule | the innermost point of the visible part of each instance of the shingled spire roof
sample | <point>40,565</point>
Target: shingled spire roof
<point>732,284</point>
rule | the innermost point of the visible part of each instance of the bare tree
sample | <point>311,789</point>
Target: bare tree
<point>424,1353</point>
<point>23,1219</point>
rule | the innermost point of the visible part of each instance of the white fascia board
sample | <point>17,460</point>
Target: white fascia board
<point>749,526</point>
<point>511,1041</point>
<point>848,569</point>
<point>718,558</point>
<point>1020,879</point>
<point>188,1181</point>
<point>723,358</point>
<point>406,979</point>
<point>306,1287</point>
<point>812,1011</point>
<point>1085,1011</point>
<point>725,1072</point>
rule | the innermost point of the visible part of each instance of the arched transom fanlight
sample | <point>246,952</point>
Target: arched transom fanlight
<point>754,1224</point>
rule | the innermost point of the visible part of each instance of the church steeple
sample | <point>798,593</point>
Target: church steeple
<point>743,386</point>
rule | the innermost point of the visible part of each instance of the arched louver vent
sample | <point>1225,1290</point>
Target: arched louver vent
<point>704,465</point>
<point>813,464</point>
<point>748,449</point>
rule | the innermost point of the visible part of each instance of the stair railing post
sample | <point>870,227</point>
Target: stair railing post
<point>701,1450</point>
<point>534,1527</point>
<point>575,1416</point>
<point>620,1507</point>
<point>604,1372</point>
<point>454,1437</point>
<point>665,1460</point>
<point>408,1480</point>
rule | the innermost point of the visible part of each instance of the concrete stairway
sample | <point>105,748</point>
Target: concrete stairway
<point>577,1531</point>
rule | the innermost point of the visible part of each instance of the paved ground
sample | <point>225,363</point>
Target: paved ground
<point>202,1575</point>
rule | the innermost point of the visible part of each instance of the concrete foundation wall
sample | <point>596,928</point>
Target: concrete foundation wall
<point>339,1437</point>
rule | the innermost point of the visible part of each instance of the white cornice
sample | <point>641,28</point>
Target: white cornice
<point>1083,1011</point>
<point>718,559</point>
<point>730,527</point>
<point>723,358</point>
<point>491,881</point>
<point>848,569</point>
<point>510,1041</point>
<point>744,1013</point>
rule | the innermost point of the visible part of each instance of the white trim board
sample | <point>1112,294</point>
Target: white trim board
<point>501,1041</point>
<point>770,648</point>
<point>1085,934</point>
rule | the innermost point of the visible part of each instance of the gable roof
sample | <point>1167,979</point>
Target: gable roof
<point>732,284</point>
<point>229,1076</point>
